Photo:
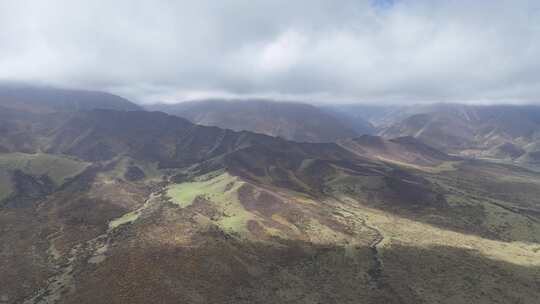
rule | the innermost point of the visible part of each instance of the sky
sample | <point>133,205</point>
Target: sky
<point>372,51</point>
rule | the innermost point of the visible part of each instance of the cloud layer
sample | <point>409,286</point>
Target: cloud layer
<point>322,50</point>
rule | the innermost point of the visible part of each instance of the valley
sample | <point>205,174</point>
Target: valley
<point>269,152</point>
<point>149,206</point>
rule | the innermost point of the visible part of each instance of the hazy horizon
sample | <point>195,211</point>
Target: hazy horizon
<point>29,85</point>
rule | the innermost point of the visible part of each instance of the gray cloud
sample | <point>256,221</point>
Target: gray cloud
<point>349,50</point>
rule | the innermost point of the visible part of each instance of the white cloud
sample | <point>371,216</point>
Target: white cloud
<point>405,51</point>
<point>282,53</point>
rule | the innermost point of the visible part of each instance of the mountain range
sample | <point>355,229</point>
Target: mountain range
<point>505,133</point>
<point>37,99</point>
<point>290,120</point>
<point>108,203</point>
<point>502,132</point>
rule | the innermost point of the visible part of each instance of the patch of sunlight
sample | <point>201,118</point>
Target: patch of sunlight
<point>408,232</point>
<point>220,190</point>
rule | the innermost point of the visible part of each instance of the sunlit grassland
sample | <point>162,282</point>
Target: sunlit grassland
<point>222,191</point>
<point>132,216</point>
<point>221,188</point>
<point>442,167</point>
<point>399,230</point>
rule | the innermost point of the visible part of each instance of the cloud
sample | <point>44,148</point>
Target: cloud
<point>351,50</point>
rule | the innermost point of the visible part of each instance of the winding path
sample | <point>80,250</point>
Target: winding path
<point>375,272</point>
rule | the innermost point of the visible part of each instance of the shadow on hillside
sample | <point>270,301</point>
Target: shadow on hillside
<point>443,200</point>
<point>221,269</point>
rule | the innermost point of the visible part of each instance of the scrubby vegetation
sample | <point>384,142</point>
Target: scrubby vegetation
<point>58,168</point>
<point>174,213</point>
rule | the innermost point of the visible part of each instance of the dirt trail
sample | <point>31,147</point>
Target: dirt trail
<point>375,272</point>
<point>58,284</point>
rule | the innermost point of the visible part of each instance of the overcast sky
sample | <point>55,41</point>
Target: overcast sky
<point>406,51</point>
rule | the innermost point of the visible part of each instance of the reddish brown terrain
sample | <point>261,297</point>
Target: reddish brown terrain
<point>107,206</point>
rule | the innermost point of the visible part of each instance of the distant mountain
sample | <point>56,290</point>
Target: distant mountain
<point>47,100</point>
<point>376,116</point>
<point>407,150</point>
<point>293,121</point>
<point>503,132</point>
<point>359,123</point>
<point>497,131</point>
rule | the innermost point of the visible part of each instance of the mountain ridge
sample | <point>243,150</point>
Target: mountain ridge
<point>50,99</point>
<point>290,120</point>
<point>98,205</point>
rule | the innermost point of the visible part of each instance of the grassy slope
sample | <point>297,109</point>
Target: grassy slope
<point>150,169</point>
<point>352,192</point>
<point>220,243</point>
<point>500,197</point>
<point>221,190</point>
<point>420,262</point>
<point>58,168</point>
